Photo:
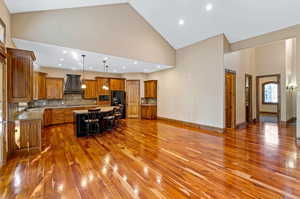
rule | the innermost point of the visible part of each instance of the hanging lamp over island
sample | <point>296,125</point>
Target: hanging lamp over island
<point>83,85</point>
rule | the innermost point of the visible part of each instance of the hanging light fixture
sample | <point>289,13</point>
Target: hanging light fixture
<point>105,86</point>
<point>83,85</point>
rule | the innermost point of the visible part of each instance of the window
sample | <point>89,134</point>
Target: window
<point>270,93</point>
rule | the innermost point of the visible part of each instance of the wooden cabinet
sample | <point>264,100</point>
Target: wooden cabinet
<point>19,75</point>
<point>47,117</point>
<point>39,85</point>
<point>149,112</point>
<point>58,116</point>
<point>54,88</point>
<point>91,89</point>
<point>150,89</point>
<point>117,84</point>
<point>102,81</point>
<point>54,116</point>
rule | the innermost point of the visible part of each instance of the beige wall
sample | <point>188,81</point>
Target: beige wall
<point>116,30</point>
<point>271,59</point>
<point>242,62</point>
<point>290,78</point>
<point>287,33</point>
<point>6,18</point>
<point>194,90</point>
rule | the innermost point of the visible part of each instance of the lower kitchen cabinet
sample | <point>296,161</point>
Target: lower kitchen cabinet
<point>149,112</point>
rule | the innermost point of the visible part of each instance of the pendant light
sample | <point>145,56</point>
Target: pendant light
<point>105,86</point>
<point>83,85</point>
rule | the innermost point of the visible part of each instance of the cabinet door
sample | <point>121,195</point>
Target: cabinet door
<point>150,88</point>
<point>39,85</point>
<point>54,88</point>
<point>91,89</point>
<point>47,117</point>
<point>69,115</point>
<point>100,83</point>
<point>58,116</point>
<point>117,84</point>
<point>19,75</point>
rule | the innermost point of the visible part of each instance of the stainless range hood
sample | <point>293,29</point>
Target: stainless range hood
<point>73,84</point>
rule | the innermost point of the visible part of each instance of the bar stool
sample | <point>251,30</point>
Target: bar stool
<point>108,120</point>
<point>93,121</point>
<point>117,115</point>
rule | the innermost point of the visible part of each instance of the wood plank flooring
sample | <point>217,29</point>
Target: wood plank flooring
<point>156,159</point>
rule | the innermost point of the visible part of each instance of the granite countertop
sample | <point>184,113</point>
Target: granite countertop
<point>102,109</point>
<point>38,112</point>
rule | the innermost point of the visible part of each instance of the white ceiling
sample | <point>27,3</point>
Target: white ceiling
<point>67,58</point>
<point>237,19</point>
<point>16,6</point>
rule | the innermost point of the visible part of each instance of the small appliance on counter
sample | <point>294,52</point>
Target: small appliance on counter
<point>118,98</point>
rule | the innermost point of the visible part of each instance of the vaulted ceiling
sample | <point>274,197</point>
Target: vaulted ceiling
<point>200,19</point>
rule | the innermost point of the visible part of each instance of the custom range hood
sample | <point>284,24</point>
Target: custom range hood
<point>73,84</point>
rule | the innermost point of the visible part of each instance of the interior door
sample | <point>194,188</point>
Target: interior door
<point>230,100</point>
<point>133,98</point>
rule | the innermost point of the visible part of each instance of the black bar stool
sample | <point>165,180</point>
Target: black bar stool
<point>108,119</point>
<point>93,121</point>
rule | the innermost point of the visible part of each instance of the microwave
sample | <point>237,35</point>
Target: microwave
<point>103,98</point>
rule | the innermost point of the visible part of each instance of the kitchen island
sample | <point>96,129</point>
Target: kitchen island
<point>80,127</point>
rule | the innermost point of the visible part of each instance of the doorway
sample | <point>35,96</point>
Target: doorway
<point>248,98</point>
<point>230,101</point>
<point>133,98</point>
<point>268,98</point>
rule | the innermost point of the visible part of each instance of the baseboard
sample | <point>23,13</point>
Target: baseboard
<point>194,125</point>
<point>265,112</point>
<point>242,125</point>
<point>286,123</point>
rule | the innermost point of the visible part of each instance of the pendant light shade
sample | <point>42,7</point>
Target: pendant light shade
<point>83,85</point>
<point>105,86</point>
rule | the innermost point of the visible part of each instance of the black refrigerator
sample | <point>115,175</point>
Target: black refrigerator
<point>118,98</point>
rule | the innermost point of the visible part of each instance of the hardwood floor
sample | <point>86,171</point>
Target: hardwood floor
<point>155,159</point>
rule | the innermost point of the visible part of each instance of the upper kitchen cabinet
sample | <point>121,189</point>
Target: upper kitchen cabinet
<point>39,85</point>
<point>150,89</point>
<point>102,86</point>
<point>117,84</point>
<point>54,88</point>
<point>91,89</point>
<point>19,75</point>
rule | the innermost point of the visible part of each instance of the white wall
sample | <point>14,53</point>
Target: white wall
<point>193,91</point>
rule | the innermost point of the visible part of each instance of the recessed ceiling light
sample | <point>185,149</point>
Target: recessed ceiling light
<point>181,22</point>
<point>135,62</point>
<point>209,7</point>
<point>65,52</point>
<point>61,59</point>
<point>105,58</point>
<point>75,55</point>
<point>59,65</point>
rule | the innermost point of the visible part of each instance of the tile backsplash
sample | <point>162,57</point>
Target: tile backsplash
<point>69,99</point>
